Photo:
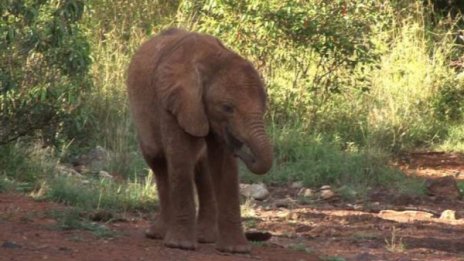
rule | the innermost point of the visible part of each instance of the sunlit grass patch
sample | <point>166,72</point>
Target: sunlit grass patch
<point>103,193</point>
<point>331,124</point>
<point>395,244</point>
<point>6,184</point>
<point>318,161</point>
<point>72,219</point>
<point>454,141</point>
<point>27,161</point>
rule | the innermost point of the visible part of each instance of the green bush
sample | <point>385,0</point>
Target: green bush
<point>43,68</point>
<point>102,194</point>
<point>348,82</point>
<point>316,161</point>
<point>305,49</point>
<point>363,72</point>
<point>24,162</point>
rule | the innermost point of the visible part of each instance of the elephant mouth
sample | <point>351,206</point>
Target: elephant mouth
<point>239,148</point>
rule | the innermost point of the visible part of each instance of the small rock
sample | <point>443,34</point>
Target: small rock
<point>296,185</point>
<point>99,153</point>
<point>104,175</point>
<point>326,187</point>
<point>82,169</point>
<point>245,190</point>
<point>255,191</point>
<point>94,161</point>
<point>293,216</point>
<point>11,245</point>
<point>284,203</point>
<point>445,187</point>
<point>448,215</point>
<point>327,194</point>
<point>67,171</point>
<point>305,192</point>
<point>405,216</point>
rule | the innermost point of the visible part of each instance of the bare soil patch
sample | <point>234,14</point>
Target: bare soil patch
<point>28,233</point>
<point>433,164</point>
<point>384,227</point>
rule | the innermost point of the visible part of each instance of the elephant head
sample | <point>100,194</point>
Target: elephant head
<point>211,89</point>
<point>235,102</point>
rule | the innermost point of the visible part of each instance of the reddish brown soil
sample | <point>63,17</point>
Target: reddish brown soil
<point>315,230</point>
<point>433,164</point>
<point>28,233</point>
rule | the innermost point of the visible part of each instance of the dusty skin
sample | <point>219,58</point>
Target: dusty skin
<point>300,232</point>
<point>197,107</point>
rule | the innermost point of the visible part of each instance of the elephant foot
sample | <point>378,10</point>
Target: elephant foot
<point>243,247</point>
<point>157,230</point>
<point>174,240</point>
<point>233,244</point>
<point>153,233</point>
<point>206,233</point>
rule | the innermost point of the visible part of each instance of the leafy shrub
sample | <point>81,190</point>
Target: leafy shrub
<point>43,67</point>
<point>301,47</point>
<point>449,103</point>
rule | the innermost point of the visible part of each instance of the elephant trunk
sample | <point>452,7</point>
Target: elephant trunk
<point>259,158</point>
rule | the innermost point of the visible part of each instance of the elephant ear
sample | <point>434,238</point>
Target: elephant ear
<point>181,94</point>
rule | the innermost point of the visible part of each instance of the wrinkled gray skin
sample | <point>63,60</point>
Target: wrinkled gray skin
<point>197,107</point>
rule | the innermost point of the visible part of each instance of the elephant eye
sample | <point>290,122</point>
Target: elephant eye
<point>228,108</point>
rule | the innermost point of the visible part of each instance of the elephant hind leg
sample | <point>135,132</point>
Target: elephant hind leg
<point>207,212</point>
<point>158,228</point>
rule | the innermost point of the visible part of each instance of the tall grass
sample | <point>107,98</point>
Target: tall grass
<point>410,76</point>
<point>102,194</point>
<point>28,162</point>
<point>331,123</point>
<point>454,140</point>
<point>316,161</point>
<point>115,31</point>
<point>388,101</point>
<point>320,136</point>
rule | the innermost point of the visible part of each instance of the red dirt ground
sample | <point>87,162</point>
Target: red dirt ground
<point>433,164</point>
<point>316,230</point>
<point>25,224</point>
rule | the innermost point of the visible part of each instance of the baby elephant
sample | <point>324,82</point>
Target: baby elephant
<point>197,106</point>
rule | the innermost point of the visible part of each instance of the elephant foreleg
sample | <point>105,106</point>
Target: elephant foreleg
<point>181,231</point>
<point>224,173</point>
<point>182,154</point>
<point>207,213</point>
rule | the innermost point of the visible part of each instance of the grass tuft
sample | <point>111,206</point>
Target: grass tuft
<point>71,219</point>
<point>395,244</point>
<point>317,161</point>
<point>6,184</point>
<point>103,194</point>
